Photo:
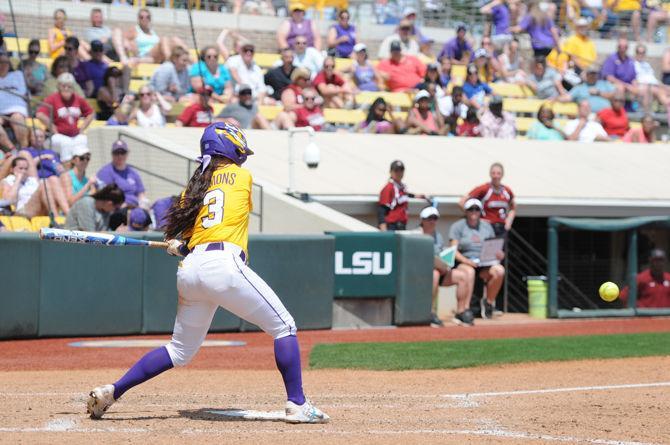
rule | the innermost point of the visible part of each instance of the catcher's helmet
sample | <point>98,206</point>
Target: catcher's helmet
<point>226,140</point>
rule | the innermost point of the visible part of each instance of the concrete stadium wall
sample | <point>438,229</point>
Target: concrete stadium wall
<point>55,289</point>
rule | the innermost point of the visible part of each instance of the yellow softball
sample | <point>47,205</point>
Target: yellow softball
<point>609,291</point>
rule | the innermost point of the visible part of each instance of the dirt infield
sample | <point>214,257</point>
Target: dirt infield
<point>43,384</point>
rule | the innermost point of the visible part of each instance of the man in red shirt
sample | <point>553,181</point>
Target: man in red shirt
<point>198,114</point>
<point>67,110</point>
<point>497,199</point>
<point>393,199</point>
<point>401,72</point>
<point>615,120</point>
<point>653,284</point>
<point>332,87</point>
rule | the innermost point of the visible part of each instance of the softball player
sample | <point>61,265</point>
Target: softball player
<point>212,217</point>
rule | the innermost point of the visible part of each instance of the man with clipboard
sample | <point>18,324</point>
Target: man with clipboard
<point>444,273</point>
<point>479,253</point>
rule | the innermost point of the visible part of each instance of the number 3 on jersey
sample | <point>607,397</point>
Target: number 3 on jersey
<point>214,200</point>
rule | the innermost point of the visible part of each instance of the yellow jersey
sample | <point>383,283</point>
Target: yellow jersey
<point>61,35</point>
<point>224,215</point>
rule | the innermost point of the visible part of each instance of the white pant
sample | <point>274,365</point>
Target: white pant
<point>206,280</point>
<point>66,145</point>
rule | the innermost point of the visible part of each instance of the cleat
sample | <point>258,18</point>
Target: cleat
<point>305,413</point>
<point>488,310</point>
<point>435,321</point>
<point>465,318</point>
<point>99,400</point>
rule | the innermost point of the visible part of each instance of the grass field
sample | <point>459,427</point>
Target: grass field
<point>471,353</point>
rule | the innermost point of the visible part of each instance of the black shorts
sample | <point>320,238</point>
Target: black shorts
<point>541,52</point>
<point>396,226</point>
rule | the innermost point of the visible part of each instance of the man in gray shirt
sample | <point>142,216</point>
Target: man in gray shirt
<point>98,31</point>
<point>91,213</point>
<point>468,235</point>
<point>171,79</point>
<point>244,113</point>
<point>546,82</point>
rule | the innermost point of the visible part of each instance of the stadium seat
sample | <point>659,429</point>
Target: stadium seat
<point>7,222</point>
<point>144,70</point>
<point>342,64</point>
<point>530,106</point>
<point>458,71</point>
<point>135,85</point>
<point>97,124</point>
<point>94,104</point>
<point>399,100</point>
<point>20,224</point>
<point>270,112</point>
<point>343,117</point>
<point>265,60</point>
<point>14,47</point>
<point>38,222</point>
<point>60,220</point>
<point>523,124</point>
<point>510,90</point>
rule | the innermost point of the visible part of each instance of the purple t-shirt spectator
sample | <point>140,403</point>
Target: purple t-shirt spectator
<point>160,208</point>
<point>454,49</point>
<point>47,167</point>
<point>540,34</point>
<point>500,17</point>
<point>624,70</point>
<point>128,180</point>
<point>95,70</point>
<point>80,75</point>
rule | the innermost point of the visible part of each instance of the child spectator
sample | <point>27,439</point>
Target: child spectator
<point>470,125</point>
<point>394,199</point>
<point>453,108</point>
<point>34,71</point>
<point>615,119</point>
<point>342,35</point>
<point>215,74</point>
<point>376,121</point>
<point>422,120</point>
<point>68,108</point>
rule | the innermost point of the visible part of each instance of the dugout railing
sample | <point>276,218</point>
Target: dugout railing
<point>558,303</point>
<point>160,169</point>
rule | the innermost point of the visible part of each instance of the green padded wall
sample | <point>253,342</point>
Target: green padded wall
<point>90,290</point>
<point>19,285</point>
<point>415,277</point>
<point>300,270</point>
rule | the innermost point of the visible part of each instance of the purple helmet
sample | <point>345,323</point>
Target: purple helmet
<point>223,139</point>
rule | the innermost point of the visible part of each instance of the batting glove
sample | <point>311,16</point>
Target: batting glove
<point>176,247</point>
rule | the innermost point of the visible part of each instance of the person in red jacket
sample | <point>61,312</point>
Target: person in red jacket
<point>497,199</point>
<point>653,284</point>
<point>615,120</point>
<point>393,200</point>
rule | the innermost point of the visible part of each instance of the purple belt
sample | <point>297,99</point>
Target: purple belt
<point>221,246</point>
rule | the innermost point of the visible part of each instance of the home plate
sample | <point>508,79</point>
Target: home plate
<point>146,343</point>
<point>247,414</point>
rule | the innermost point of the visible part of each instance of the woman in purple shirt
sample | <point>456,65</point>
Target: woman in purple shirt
<point>342,35</point>
<point>365,75</point>
<point>500,18</point>
<point>541,28</point>
<point>296,26</point>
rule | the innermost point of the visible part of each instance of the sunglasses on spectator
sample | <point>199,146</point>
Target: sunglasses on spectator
<point>405,28</point>
<point>70,48</point>
<point>145,16</point>
<point>329,66</point>
<point>85,157</point>
<point>300,43</point>
<point>145,94</point>
<point>473,209</point>
<point>248,51</point>
<point>65,86</point>
<point>211,56</point>
<point>33,52</point>
<point>309,98</point>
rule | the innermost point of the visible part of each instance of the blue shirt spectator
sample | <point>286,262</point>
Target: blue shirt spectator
<point>474,89</point>
<point>215,74</point>
<point>597,92</point>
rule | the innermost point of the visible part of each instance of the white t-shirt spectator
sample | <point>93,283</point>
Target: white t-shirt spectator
<point>589,133</point>
<point>446,106</point>
<point>644,73</point>
<point>410,47</point>
<point>311,59</point>
<point>249,75</point>
<point>26,190</point>
<point>14,83</point>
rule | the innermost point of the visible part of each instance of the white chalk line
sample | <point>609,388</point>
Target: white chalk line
<point>557,390</point>
<point>69,425</point>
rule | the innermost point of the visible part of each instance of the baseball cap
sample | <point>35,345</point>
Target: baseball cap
<point>244,89</point>
<point>119,146</point>
<point>434,66</point>
<point>425,39</point>
<point>408,11</point>
<point>397,165</point>
<point>297,6</point>
<point>481,52</point>
<point>66,79</point>
<point>461,27</point>
<point>80,150</point>
<point>396,46</point>
<point>472,203</point>
<point>423,94</point>
<point>593,69</point>
<point>657,253</point>
<point>96,45</point>
<point>582,21</point>
<point>429,212</point>
<point>360,47</point>
<point>138,219</point>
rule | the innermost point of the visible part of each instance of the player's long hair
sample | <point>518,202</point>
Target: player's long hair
<point>183,212</point>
